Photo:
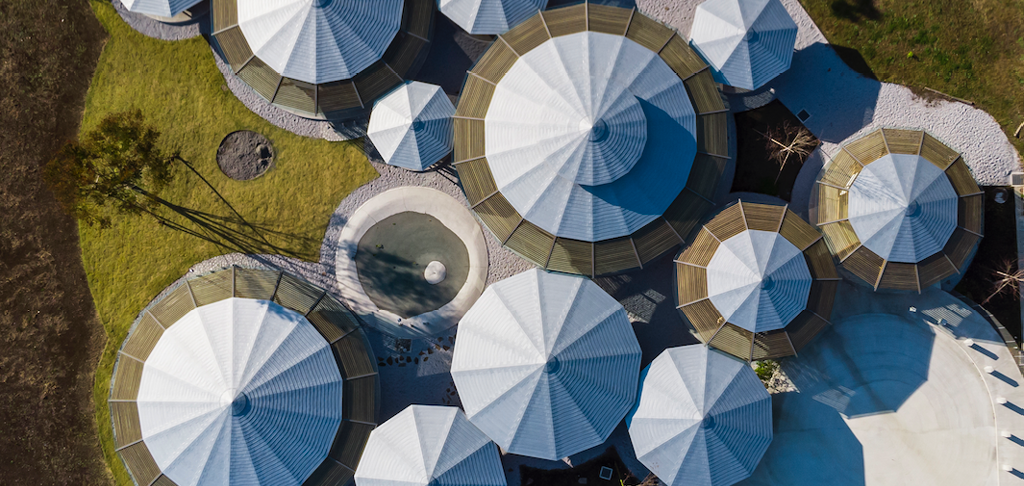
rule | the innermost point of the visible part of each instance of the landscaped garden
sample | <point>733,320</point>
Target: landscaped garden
<point>182,94</point>
<point>278,196</point>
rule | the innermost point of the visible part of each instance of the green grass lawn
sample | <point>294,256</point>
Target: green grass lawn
<point>971,49</point>
<point>180,92</point>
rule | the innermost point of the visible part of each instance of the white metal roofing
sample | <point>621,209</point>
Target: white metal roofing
<point>590,136</point>
<point>746,42</point>
<point>758,280</point>
<point>703,418</point>
<point>160,8</point>
<point>319,41</point>
<point>546,364</point>
<point>489,17</point>
<point>240,391</point>
<point>429,445</point>
<point>412,126</point>
<point>903,208</point>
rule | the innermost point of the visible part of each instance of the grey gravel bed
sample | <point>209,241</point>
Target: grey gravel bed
<point>158,30</point>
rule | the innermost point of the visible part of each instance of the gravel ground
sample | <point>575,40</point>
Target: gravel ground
<point>844,104</point>
<point>304,127</point>
<point>169,32</point>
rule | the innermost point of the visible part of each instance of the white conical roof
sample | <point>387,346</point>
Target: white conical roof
<point>758,280</point>
<point>412,126</point>
<point>319,41</point>
<point>159,8</point>
<point>903,208</point>
<point>489,17</point>
<point>240,391</point>
<point>546,364</point>
<point>429,446</point>
<point>746,42</point>
<point>703,418</point>
<point>590,136</point>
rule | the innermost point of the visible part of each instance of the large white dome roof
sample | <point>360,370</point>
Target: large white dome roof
<point>240,391</point>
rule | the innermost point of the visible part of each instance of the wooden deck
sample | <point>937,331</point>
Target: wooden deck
<point>338,326</point>
<point>337,100</point>
<point>691,281</point>
<point>831,198</point>
<point>583,257</point>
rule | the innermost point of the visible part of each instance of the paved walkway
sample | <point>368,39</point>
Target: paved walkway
<point>898,392</point>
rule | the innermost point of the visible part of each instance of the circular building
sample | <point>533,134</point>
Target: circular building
<point>585,150</point>
<point>747,42</point>
<point>322,58</point>
<point>243,376</point>
<point>171,11</point>
<point>758,282</point>
<point>546,364</point>
<point>702,419</point>
<point>489,17</point>
<point>429,446</point>
<point>900,209</point>
<point>411,127</point>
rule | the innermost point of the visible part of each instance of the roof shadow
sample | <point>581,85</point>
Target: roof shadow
<point>647,296</point>
<point>864,365</point>
<point>812,445</point>
<point>854,60</point>
<point>837,100</point>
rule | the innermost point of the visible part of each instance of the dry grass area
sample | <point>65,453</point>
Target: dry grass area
<point>970,49</point>
<point>180,92</point>
<point>49,334</point>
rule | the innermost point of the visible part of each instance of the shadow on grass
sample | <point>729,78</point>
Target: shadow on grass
<point>856,10</point>
<point>855,61</point>
<point>232,231</point>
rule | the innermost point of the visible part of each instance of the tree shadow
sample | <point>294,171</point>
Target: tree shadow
<point>855,10</point>
<point>232,231</point>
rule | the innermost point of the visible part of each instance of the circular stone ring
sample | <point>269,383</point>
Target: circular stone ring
<point>449,212</point>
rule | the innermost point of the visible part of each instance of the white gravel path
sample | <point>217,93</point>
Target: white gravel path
<point>844,104</point>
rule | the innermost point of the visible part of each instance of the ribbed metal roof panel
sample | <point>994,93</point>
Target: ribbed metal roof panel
<point>546,364</point>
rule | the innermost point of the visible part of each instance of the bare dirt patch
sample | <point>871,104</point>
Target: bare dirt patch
<point>49,333</point>
<point>245,155</point>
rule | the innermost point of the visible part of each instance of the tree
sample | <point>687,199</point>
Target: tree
<point>788,141</point>
<point>1007,279</point>
<point>115,166</point>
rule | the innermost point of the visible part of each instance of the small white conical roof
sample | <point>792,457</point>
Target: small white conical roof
<point>412,126</point>
<point>903,208</point>
<point>703,418</point>
<point>159,8</point>
<point>590,136</point>
<point>429,446</point>
<point>758,280</point>
<point>489,17</point>
<point>546,364</point>
<point>746,42</point>
<point>240,391</point>
<point>319,41</point>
